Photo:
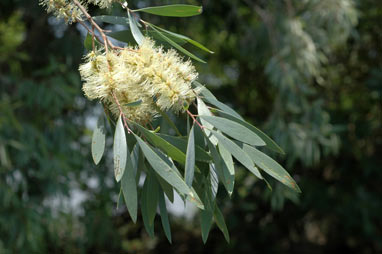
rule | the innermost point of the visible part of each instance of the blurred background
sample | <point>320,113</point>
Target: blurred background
<point>307,72</point>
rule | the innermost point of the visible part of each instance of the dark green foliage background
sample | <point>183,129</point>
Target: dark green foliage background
<point>45,143</point>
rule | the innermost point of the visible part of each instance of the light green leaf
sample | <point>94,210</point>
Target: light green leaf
<point>178,38</point>
<point>219,219</point>
<point>166,172</point>
<point>227,158</point>
<point>175,45</point>
<point>164,215</point>
<point>112,20</point>
<point>234,130</point>
<point>175,10</point>
<point>119,150</point>
<point>237,152</point>
<point>181,144</point>
<point>271,167</point>
<point>137,34</point>
<point>204,111</point>
<point>190,159</point>
<point>268,141</point>
<point>98,140</point>
<point>129,186</point>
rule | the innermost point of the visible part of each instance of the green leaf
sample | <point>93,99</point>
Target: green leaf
<point>223,107</point>
<point>175,45</point>
<point>221,169</point>
<point>166,187</point>
<point>137,34</point>
<point>206,222</point>
<point>165,146</point>
<point>164,216</point>
<point>151,197</point>
<point>190,159</point>
<point>166,172</point>
<point>112,20</point>
<point>235,130</point>
<point>219,218</point>
<point>149,227</point>
<point>98,140</point>
<point>134,103</point>
<point>271,167</point>
<point>175,10</point>
<point>124,36</point>
<point>129,185</point>
<point>88,43</point>
<point>204,111</point>
<point>168,120</point>
<point>227,158</point>
<point>119,150</point>
<point>237,152</point>
<point>206,94</point>
<point>268,141</point>
<point>181,144</point>
<point>178,38</point>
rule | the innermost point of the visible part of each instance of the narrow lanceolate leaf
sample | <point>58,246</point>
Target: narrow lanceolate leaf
<point>190,159</point>
<point>238,153</point>
<point>119,150</point>
<point>166,187</point>
<point>149,227</point>
<point>269,142</point>
<point>271,167</point>
<point>164,216</point>
<point>98,140</point>
<point>134,103</point>
<point>181,144</point>
<point>206,222</point>
<point>181,39</point>
<point>227,158</point>
<point>175,45</point>
<point>166,172</point>
<point>221,169</point>
<point>193,198</point>
<point>151,197</point>
<point>235,130</point>
<point>214,180</point>
<point>203,91</point>
<point>165,146</point>
<point>223,107</point>
<point>112,20</point>
<point>219,219</point>
<point>175,10</point>
<point>137,34</point>
<point>204,111</point>
<point>129,185</point>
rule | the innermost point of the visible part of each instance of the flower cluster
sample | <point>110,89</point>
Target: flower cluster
<point>64,9</point>
<point>148,74</point>
<point>102,3</point>
<point>67,10</point>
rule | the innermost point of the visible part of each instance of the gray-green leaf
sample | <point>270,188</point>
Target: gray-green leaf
<point>175,10</point>
<point>190,159</point>
<point>98,140</point>
<point>235,130</point>
<point>119,150</point>
<point>137,34</point>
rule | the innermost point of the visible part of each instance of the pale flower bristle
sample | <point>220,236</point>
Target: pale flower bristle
<point>148,74</point>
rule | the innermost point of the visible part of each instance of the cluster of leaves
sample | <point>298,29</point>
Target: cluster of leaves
<point>191,163</point>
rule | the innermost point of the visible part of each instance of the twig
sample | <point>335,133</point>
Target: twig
<point>121,113</point>
<point>194,119</point>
